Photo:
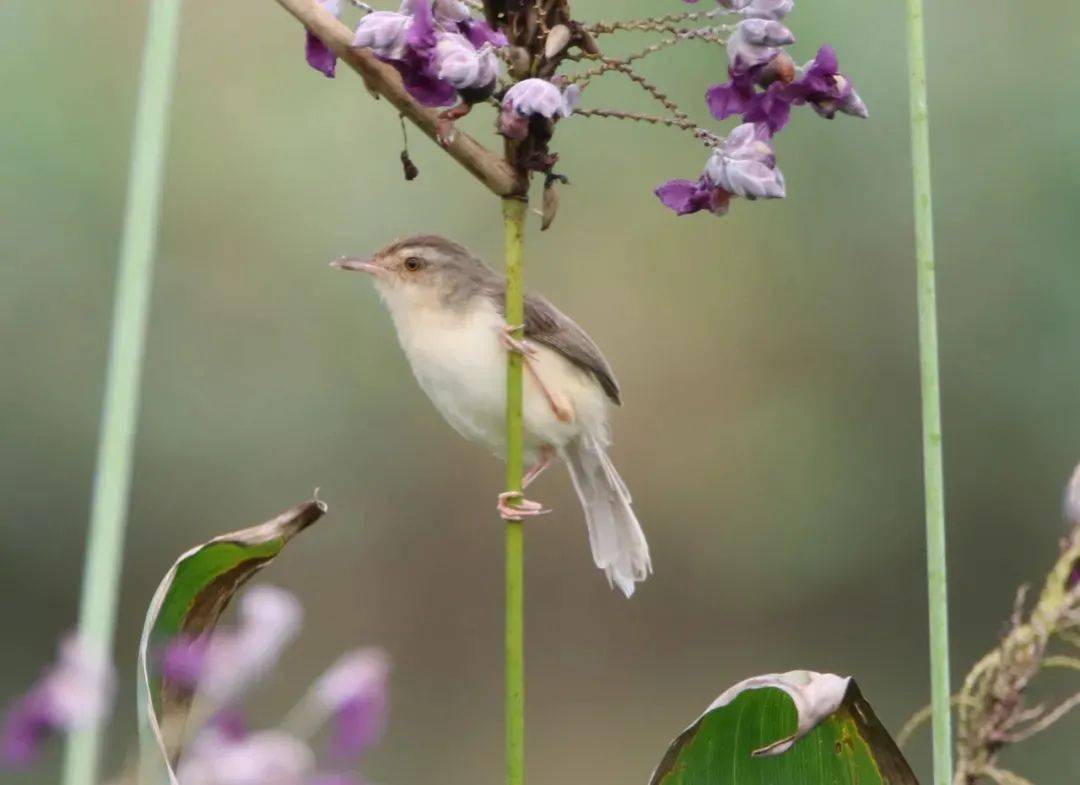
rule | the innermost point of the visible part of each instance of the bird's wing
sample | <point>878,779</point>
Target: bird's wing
<point>546,324</point>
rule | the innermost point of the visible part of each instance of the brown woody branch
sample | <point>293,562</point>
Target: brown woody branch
<point>381,79</point>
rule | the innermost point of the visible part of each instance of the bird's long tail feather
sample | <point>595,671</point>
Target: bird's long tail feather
<point>618,543</point>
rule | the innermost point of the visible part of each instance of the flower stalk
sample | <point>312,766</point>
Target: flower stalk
<point>112,478</point>
<point>514,221</point>
<point>931,398</point>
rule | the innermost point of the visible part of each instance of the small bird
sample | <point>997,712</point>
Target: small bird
<point>449,311</point>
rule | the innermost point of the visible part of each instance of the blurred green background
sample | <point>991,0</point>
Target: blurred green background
<point>770,430</point>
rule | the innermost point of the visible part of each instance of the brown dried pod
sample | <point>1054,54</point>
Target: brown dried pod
<point>520,62</point>
<point>551,205</point>
<point>557,40</point>
<point>587,43</point>
<point>407,165</point>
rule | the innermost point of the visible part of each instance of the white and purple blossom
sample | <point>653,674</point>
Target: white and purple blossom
<point>263,758</point>
<point>383,32</point>
<point>535,98</point>
<point>74,693</point>
<point>317,53</point>
<point>463,66</point>
<point>745,165</point>
<point>755,42</point>
<point>767,9</point>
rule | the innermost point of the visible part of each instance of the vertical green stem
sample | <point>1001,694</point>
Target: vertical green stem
<point>112,478</point>
<point>514,219</point>
<point>931,399</point>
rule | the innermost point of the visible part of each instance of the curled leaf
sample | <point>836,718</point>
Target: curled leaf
<point>800,726</point>
<point>189,601</point>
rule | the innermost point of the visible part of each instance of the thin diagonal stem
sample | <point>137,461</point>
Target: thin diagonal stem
<point>514,219</point>
<point>931,398</point>
<point>112,478</point>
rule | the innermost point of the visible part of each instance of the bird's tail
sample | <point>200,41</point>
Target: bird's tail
<point>618,543</point>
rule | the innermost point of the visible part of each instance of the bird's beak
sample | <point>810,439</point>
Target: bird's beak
<point>359,265</point>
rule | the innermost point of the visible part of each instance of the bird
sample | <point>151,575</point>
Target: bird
<point>448,308</point>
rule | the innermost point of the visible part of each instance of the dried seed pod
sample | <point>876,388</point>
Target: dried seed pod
<point>557,39</point>
<point>587,43</point>
<point>781,68</point>
<point>520,62</point>
<point>550,206</point>
<point>407,165</point>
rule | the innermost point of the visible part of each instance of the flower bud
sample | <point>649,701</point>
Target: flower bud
<point>557,40</point>
<point>384,33</point>
<point>767,9</point>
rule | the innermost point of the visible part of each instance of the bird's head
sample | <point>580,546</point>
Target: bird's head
<point>422,270</point>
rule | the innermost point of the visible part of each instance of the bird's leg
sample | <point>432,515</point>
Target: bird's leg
<point>513,506</point>
<point>562,410</point>
<point>444,125</point>
<point>547,452</point>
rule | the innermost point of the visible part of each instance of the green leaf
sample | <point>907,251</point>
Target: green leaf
<point>796,728</point>
<point>189,601</point>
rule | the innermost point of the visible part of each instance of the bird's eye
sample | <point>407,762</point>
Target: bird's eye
<point>413,263</point>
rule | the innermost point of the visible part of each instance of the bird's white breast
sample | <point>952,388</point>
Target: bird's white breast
<point>459,361</point>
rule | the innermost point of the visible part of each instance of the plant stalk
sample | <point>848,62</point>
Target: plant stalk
<point>514,220</point>
<point>929,363</point>
<point>112,477</point>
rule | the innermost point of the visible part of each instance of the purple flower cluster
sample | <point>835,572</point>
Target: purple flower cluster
<point>351,696</point>
<point>74,693</point>
<point>763,85</point>
<point>440,50</point>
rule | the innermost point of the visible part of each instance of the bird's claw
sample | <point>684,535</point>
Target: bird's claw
<point>519,345</point>
<point>513,506</point>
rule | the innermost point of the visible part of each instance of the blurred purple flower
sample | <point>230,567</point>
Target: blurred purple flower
<point>183,660</point>
<point>230,660</point>
<point>264,758</point>
<point>535,97</point>
<point>821,85</point>
<point>353,692</point>
<point>74,693</point>
<point>745,165</point>
<point>318,54</point>
<point>690,196</point>
<point>767,9</point>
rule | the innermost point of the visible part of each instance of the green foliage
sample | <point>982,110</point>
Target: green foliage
<point>798,728</point>
<point>189,601</point>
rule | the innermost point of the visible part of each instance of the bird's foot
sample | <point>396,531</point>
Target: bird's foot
<point>445,130</point>
<point>513,506</point>
<point>514,344</point>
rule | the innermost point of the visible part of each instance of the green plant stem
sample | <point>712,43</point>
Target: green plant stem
<point>940,689</point>
<point>112,478</point>
<point>514,220</point>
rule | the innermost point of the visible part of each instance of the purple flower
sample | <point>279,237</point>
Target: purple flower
<point>745,165</point>
<point>226,663</point>
<point>690,196</point>
<point>462,65</point>
<point>828,91</point>
<point>318,54</point>
<point>74,693</point>
<point>479,33</point>
<point>353,692</point>
<point>535,98</point>
<point>767,9</point>
<point>755,42</point>
<point>383,32</point>
<point>264,758</point>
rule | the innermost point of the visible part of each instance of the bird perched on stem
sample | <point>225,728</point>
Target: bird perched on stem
<point>449,311</point>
